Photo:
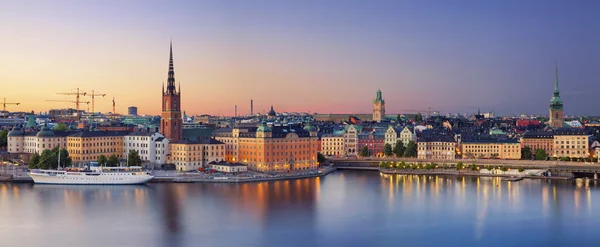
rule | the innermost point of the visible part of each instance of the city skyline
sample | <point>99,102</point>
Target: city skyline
<point>303,56</point>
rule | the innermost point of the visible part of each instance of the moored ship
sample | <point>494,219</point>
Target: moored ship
<point>92,175</point>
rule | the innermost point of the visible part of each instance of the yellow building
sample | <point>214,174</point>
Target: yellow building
<point>571,142</point>
<point>332,145</point>
<point>227,167</point>
<point>190,155</point>
<point>436,147</point>
<point>491,149</point>
<point>87,146</point>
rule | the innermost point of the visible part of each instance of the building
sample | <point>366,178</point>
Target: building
<point>556,107</point>
<point>132,111</point>
<point>351,139</point>
<point>332,145</point>
<point>491,149</point>
<point>538,139</point>
<point>391,136</point>
<point>374,141</point>
<point>378,107</point>
<point>171,122</point>
<point>271,149</point>
<point>190,155</point>
<point>226,167</point>
<point>86,146</point>
<point>338,118</point>
<point>436,147</point>
<point>31,142</point>
<point>570,142</point>
<point>152,147</point>
<point>407,135</point>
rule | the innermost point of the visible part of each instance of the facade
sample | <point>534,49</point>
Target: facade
<point>436,147</point>
<point>491,149</point>
<point>538,139</point>
<point>332,145</point>
<point>374,141</point>
<point>351,139</point>
<point>190,155</point>
<point>271,149</point>
<point>35,142</point>
<point>378,107</point>
<point>86,146</point>
<point>406,135</point>
<point>171,122</point>
<point>556,107</point>
<point>152,147</point>
<point>226,167</point>
<point>391,136</point>
<point>569,142</point>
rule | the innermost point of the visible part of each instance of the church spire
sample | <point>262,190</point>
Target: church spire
<point>171,78</point>
<point>556,92</point>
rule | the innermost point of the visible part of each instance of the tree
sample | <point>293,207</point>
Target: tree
<point>61,127</point>
<point>364,152</point>
<point>65,160</point>
<point>460,165</point>
<point>321,158</point>
<point>540,154</point>
<point>418,117</point>
<point>398,150</point>
<point>387,150</point>
<point>45,159</point>
<point>3,138</point>
<point>411,150</point>
<point>133,158</point>
<point>114,161</point>
<point>33,161</point>
<point>399,118</point>
<point>526,153</point>
<point>102,160</point>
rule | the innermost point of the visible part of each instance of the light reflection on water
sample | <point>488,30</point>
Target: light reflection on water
<point>342,209</point>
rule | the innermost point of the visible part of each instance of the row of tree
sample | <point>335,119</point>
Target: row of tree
<point>133,159</point>
<point>399,150</point>
<point>527,154</point>
<point>49,159</point>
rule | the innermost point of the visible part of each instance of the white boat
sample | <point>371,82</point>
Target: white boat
<point>93,175</point>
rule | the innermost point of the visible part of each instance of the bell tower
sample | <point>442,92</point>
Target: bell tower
<point>378,107</point>
<point>171,122</point>
<point>556,115</point>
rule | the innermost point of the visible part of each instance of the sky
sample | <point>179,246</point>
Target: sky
<point>310,56</point>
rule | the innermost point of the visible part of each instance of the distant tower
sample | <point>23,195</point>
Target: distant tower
<point>251,107</point>
<point>170,122</point>
<point>378,107</point>
<point>556,106</point>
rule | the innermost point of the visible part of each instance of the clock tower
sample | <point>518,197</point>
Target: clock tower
<point>171,122</point>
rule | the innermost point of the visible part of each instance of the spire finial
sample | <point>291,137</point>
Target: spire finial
<point>556,78</point>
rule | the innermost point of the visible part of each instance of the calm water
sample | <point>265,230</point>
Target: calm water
<point>342,209</point>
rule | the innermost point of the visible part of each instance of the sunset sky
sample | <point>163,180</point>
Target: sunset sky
<point>312,56</point>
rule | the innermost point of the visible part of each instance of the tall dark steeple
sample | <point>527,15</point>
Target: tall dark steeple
<point>556,115</point>
<point>171,80</point>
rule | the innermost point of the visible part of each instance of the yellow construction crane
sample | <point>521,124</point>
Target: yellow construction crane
<point>77,101</point>
<point>4,103</point>
<point>93,95</point>
<point>71,101</point>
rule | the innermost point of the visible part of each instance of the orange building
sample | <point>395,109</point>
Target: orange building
<point>538,139</point>
<point>87,146</point>
<point>268,149</point>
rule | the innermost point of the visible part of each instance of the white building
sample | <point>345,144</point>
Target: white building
<point>152,147</point>
<point>391,136</point>
<point>332,145</point>
<point>351,139</point>
<point>20,141</point>
<point>226,167</point>
<point>406,135</point>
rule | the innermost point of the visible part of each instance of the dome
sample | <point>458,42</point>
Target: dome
<point>310,128</point>
<point>16,131</point>
<point>272,113</point>
<point>263,128</point>
<point>45,132</point>
<point>556,103</point>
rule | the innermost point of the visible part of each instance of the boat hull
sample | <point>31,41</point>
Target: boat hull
<point>102,179</point>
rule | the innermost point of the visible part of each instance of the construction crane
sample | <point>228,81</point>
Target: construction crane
<point>93,95</point>
<point>114,106</point>
<point>419,111</point>
<point>71,101</point>
<point>77,101</point>
<point>4,103</point>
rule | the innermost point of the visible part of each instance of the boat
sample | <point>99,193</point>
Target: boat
<point>512,179</point>
<point>92,175</point>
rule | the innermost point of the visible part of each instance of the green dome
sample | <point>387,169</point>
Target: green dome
<point>263,127</point>
<point>556,103</point>
<point>45,132</point>
<point>16,131</point>
<point>310,128</point>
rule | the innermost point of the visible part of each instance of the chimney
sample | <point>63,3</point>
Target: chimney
<point>235,111</point>
<point>251,107</point>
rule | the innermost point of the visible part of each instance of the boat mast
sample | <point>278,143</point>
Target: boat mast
<point>59,158</point>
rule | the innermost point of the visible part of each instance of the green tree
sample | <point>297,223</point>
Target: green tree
<point>321,158</point>
<point>114,161</point>
<point>398,150</point>
<point>45,159</point>
<point>33,161</point>
<point>61,127</point>
<point>65,160</point>
<point>133,158</point>
<point>526,153</point>
<point>411,150</point>
<point>364,152</point>
<point>418,117</point>
<point>540,154</point>
<point>387,150</point>
<point>3,138</point>
<point>102,160</point>
<point>460,165</point>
